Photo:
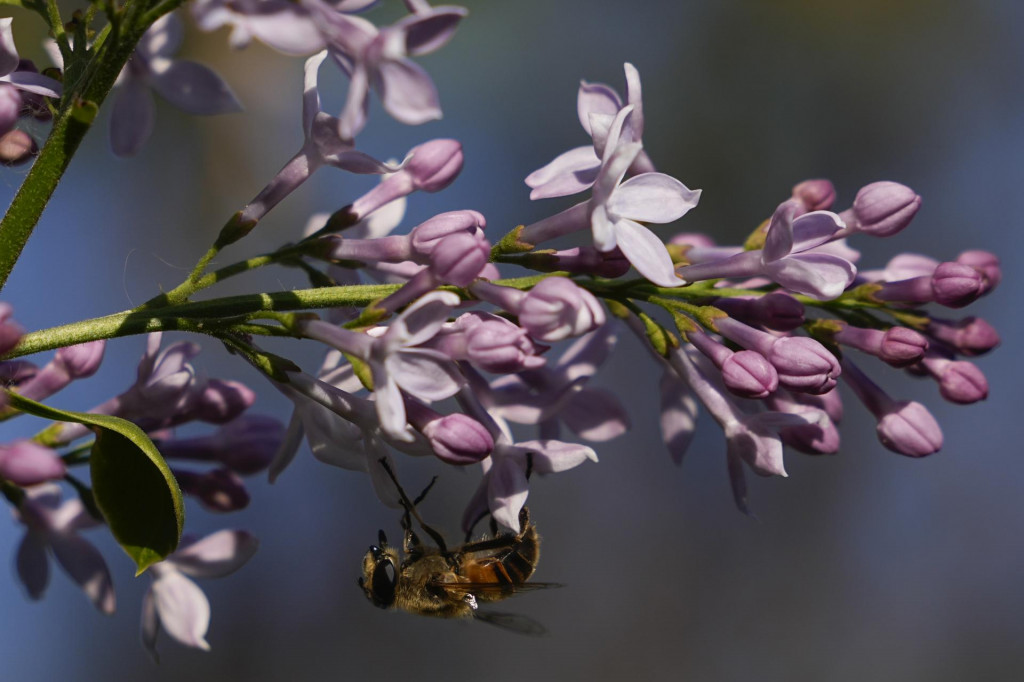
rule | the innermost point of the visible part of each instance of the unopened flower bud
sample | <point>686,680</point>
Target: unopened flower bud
<point>908,428</point>
<point>777,310</point>
<point>17,147</point>
<point>970,336</point>
<point>218,490</point>
<point>26,463</point>
<point>884,208</point>
<point>816,195</point>
<point>749,374</point>
<point>459,439</point>
<point>956,285</point>
<point>10,331</point>
<point>434,164</point>
<point>959,381</point>
<point>459,258</point>
<point>496,345</point>
<point>987,264</point>
<point>428,234</point>
<point>897,346</point>
<point>222,401</point>
<point>556,309</point>
<point>82,360</point>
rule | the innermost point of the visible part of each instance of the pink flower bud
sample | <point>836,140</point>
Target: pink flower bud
<point>222,401</point>
<point>749,375</point>
<point>556,309</point>
<point>970,336</point>
<point>987,264</point>
<point>496,345</point>
<point>908,428</point>
<point>10,331</point>
<point>959,381</point>
<point>26,463</point>
<point>428,234</point>
<point>218,490</point>
<point>459,258</point>
<point>459,439</point>
<point>81,361</point>
<point>884,208</point>
<point>816,195</point>
<point>956,285</point>
<point>434,164</point>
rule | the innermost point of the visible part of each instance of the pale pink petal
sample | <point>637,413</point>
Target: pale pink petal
<point>427,32</point>
<point>183,609</point>
<point>817,275</point>
<point>421,320</point>
<point>569,173</point>
<point>653,198</point>
<point>216,555</point>
<point>407,92</point>
<point>85,565</point>
<point>427,374</point>
<point>596,98</point>
<point>646,252</point>
<point>596,415</point>
<point>678,416</point>
<point>132,118</point>
<point>507,490</point>
<point>554,456</point>
<point>193,88</point>
<point>32,564</point>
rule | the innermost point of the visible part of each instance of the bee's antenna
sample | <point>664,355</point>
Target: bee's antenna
<point>410,507</point>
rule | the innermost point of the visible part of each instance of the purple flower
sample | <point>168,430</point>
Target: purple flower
<point>950,284</point>
<point>283,25</point>
<point>553,310</point>
<point>25,462</point>
<point>907,428</point>
<point>69,363</point>
<point>189,86</point>
<point>52,526</point>
<point>10,331</point>
<point>174,603</point>
<point>504,487</point>
<point>789,256</point>
<point>378,59</point>
<point>882,209</point>
<point>244,445</point>
<point>489,342</point>
<point>802,363</point>
<point>396,361</point>
<point>322,145</point>
<point>898,346</point>
<point>970,336</point>
<point>577,169</point>
<point>15,80</point>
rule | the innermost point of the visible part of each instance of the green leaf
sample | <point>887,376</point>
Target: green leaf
<point>132,484</point>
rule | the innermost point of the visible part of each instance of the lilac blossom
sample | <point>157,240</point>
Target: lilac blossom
<point>970,336</point>
<point>615,208</point>
<point>788,257</point>
<point>746,373</point>
<point>553,310</point>
<point>905,427</point>
<point>24,462</point>
<point>396,361</point>
<point>285,26</point>
<point>68,364</point>
<point>802,363</point>
<point>897,346</point>
<point>52,526</point>
<point>950,284</point>
<point>377,59</point>
<point>882,209</point>
<point>815,195</point>
<point>10,331</point>
<point>322,145</point>
<point>189,86</point>
<point>16,80</point>
<point>577,169</point>
<point>174,603</point>
<point>489,342</point>
<point>218,490</point>
<point>244,445</point>
<point>776,310</point>
<point>818,438</point>
<point>750,438</point>
<point>959,381</point>
<point>558,393</point>
<point>455,438</point>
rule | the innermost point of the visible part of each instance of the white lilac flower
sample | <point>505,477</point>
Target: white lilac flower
<point>174,603</point>
<point>189,86</point>
<point>15,80</point>
<point>577,169</point>
<point>52,526</point>
<point>396,362</point>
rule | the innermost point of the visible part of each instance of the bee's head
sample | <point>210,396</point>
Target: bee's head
<point>380,573</point>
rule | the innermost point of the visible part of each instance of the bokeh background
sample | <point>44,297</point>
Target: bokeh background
<point>862,566</point>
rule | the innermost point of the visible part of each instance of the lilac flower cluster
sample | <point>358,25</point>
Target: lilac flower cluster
<point>437,354</point>
<point>168,392</point>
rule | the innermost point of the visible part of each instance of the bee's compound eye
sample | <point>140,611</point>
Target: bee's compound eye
<point>383,583</point>
<point>376,552</point>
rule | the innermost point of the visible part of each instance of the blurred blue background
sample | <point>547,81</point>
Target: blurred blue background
<point>863,566</point>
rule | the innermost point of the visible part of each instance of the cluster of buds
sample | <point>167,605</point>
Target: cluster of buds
<point>442,357</point>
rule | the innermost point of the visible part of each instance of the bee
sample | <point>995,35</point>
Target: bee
<point>450,583</point>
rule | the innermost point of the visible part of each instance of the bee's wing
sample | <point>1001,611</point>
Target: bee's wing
<point>513,622</point>
<point>494,588</point>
